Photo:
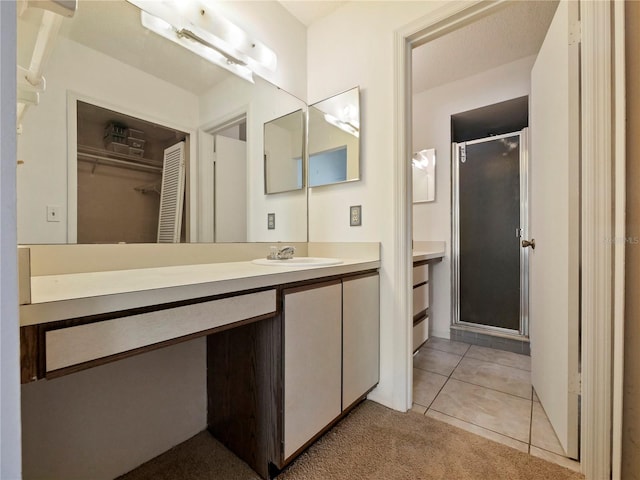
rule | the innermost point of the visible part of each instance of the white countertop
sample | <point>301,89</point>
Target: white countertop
<point>428,250</point>
<point>58,297</point>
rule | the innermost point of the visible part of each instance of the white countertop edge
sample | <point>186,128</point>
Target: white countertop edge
<point>419,256</point>
<point>257,277</point>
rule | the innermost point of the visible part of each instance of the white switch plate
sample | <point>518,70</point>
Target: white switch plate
<point>53,213</point>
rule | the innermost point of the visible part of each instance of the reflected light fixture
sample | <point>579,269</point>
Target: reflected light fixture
<point>195,25</point>
<point>342,125</point>
<point>424,159</point>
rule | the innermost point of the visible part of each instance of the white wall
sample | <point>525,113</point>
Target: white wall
<point>103,422</point>
<point>354,46</point>
<point>432,110</point>
<point>42,179</point>
<point>274,26</point>
<point>9,341</point>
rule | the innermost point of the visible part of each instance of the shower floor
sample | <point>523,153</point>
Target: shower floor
<point>487,392</point>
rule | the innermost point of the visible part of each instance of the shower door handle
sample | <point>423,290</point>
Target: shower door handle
<point>529,243</point>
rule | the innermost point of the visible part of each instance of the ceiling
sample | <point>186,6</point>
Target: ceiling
<point>515,31</point>
<point>308,11</point>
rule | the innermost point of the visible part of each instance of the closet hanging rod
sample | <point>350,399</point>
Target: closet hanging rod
<point>90,157</point>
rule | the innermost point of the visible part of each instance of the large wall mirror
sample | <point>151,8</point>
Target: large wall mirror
<point>334,139</point>
<point>81,181</point>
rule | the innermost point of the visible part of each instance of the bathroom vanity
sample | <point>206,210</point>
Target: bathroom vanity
<point>425,254</point>
<point>290,350</point>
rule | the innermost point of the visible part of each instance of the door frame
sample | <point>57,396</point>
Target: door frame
<point>523,173</point>
<point>602,205</point>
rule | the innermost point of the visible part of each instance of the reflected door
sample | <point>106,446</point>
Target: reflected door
<point>489,218</point>
<point>230,191</point>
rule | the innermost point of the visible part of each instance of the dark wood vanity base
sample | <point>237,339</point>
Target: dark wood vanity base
<point>247,385</point>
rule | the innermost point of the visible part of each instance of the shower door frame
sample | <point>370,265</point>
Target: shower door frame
<point>456,155</point>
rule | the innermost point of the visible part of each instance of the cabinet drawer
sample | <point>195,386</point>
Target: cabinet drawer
<point>420,298</point>
<point>420,333</point>
<point>421,274</point>
<point>73,345</point>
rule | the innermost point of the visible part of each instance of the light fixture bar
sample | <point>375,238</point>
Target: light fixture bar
<point>184,33</point>
<point>199,22</point>
<point>164,29</point>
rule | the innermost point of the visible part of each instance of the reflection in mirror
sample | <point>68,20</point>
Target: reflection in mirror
<point>334,139</point>
<point>283,153</point>
<point>120,178</point>
<point>106,58</point>
<point>423,166</point>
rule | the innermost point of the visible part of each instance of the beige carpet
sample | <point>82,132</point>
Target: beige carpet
<point>373,442</point>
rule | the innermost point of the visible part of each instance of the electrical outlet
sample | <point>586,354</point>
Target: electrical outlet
<point>355,215</point>
<point>53,213</point>
<point>271,221</point>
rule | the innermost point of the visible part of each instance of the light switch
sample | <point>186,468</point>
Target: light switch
<point>271,221</point>
<point>53,213</point>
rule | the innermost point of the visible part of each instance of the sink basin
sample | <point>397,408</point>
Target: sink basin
<point>298,262</point>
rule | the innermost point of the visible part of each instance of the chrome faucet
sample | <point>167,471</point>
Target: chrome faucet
<point>284,253</point>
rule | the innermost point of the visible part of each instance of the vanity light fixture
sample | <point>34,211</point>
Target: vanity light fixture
<point>195,25</point>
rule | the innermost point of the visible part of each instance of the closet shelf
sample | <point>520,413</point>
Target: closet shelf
<point>100,156</point>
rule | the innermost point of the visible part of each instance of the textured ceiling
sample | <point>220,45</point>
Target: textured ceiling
<point>310,11</point>
<point>515,31</point>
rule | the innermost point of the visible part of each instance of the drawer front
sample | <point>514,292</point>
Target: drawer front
<point>420,298</point>
<point>421,274</point>
<point>70,346</point>
<point>420,333</point>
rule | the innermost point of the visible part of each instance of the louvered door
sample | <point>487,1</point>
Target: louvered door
<point>172,194</point>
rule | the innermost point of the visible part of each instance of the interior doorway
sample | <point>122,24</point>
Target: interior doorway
<point>120,173</point>
<point>480,225</point>
<point>229,180</point>
<point>602,199</point>
<point>490,267</point>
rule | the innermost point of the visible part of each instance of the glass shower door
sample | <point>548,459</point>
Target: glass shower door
<point>490,267</point>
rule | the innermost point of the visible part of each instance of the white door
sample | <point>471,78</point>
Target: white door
<point>554,263</point>
<point>172,194</point>
<point>230,190</point>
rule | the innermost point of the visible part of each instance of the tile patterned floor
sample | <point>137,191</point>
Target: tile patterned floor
<point>487,392</point>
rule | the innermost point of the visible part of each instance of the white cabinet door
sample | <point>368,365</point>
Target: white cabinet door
<point>554,264</point>
<point>360,336</point>
<point>312,362</point>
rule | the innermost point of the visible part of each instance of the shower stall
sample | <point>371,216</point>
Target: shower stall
<point>490,221</point>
